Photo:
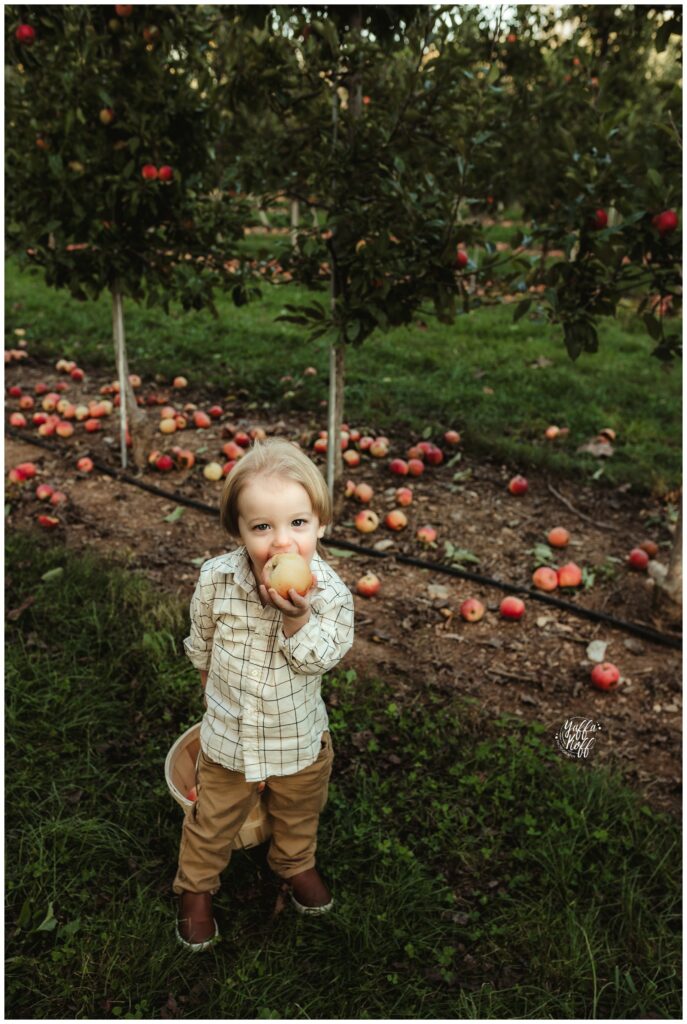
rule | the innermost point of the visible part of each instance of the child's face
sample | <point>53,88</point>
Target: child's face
<point>275,516</point>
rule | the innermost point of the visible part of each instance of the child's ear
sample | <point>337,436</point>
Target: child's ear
<point>320,531</point>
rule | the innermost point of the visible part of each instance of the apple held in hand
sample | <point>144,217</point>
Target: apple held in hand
<point>605,676</point>
<point>286,571</point>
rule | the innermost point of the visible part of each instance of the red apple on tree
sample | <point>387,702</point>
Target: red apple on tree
<point>149,172</point>
<point>26,35</point>
<point>665,222</point>
<point>600,219</point>
<point>462,258</point>
<point>165,173</point>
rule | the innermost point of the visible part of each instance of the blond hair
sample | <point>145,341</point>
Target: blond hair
<point>274,457</point>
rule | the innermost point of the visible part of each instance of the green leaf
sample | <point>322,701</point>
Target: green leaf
<point>340,553</point>
<point>652,325</point>
<point>521,309</point>
<point>49,922</point>
<point>52,574</point>
<point>174,516</point>
<point>198,561</point>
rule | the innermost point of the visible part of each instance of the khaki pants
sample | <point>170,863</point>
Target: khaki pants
<point>293,804</point>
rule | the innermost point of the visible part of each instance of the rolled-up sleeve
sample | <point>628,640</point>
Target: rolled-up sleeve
<point>198,644</point>
<point>321,643</point>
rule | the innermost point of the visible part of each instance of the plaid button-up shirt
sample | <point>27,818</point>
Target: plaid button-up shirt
<point>264,709</point>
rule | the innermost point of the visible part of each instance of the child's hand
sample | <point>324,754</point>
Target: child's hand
<point>296,607</point>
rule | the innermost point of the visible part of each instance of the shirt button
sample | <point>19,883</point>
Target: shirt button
<point>255,673</point>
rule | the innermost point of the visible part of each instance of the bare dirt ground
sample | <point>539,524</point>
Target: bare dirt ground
<point>411,634</point>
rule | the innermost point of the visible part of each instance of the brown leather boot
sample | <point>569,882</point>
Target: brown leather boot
<point>196,927</point>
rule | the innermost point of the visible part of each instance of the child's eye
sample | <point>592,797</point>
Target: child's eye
<point>259,526</point>
<point>297,522</point>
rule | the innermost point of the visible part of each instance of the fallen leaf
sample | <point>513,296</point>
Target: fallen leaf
<point>14,614</point>
<point>596,651</point>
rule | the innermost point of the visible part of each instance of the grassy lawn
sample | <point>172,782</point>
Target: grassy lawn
<point>407,380</point>
<point>477,874</point>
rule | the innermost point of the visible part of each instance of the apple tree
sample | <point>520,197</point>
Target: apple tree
<point>113,178</point>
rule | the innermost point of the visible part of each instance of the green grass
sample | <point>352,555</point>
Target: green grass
<point>406,381</point>
<point>476,873</point>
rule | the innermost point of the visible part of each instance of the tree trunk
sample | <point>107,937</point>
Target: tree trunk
<point>129,413</point>
<point>295,220</point>
<point>667,599</point>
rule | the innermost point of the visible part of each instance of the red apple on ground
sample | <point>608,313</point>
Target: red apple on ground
<point>38,418</point>
<point>65,429</point>
<point>351,457</point>
<point>41,389</point>
<point>77,374</point>
<point>179,382</point>
<point>404,496</point>
<point>545,578</point>
<point>26,402</point>
<point>605,676</point>
<point>320,445</point>
<point>366,521</point>
<point>379,449</point>
<point>58,498</point>
<point>233,450</point>
<point>426,535</point>
<point>472,610</point>
<point>512,608</point>
<point>185,458</point>
<point>396,520</point>
<point>399,467</point>
<point>258,434</point>
<point>368,585</point>
<point>215,411</point>
<point>167,412</point>
<point>201,420</point>
<point>415,467</point>
<point>434,455</point>
<point>17,419</point>
<point>14,391</point>
<point>569,575</point>
<point>350,489</point>
<point>92,425</point>
<point>365,443</point>
<point>28,469</point>
<point>415,452</point>
<point>638,559</point>
<point>288,571</point>
<point>228,466</point>
<point>48,522</point>
<point>44,491</point>
<point>180,422</point>
<point>518,485</point>
<point>164,463</point>
<point>552,432</point>
<point>452,437</point>
<point>167,426</point>
<point>650,547</point>
<point>84,464</point>
<point>558,537</point>
<point>363,493</point>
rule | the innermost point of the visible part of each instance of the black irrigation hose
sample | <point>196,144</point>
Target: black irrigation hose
<point>514,588</point>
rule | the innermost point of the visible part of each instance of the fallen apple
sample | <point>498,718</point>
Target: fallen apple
<point>366,521</point>
<point>650,547</point>
<point>242,438</point>
<point>452,437</point>
<point>415,452</point>
<point>320,445</point>
<point>518,485</point>
<point>28,469</point>
<point>471,610</point>
<point>179,382</point>
<point>426,535</point>
<point>84,464</point>
<point>552,432</point>
<point>228,466</point>
<point>14,391</point>
<point>233,450</point>
<point>364,493</point>
<point>379,449</point>
<point>415,467</point>
<point>404,496</point>
<point>351,457</point>
<point>65,429</point>
<point>287,571</point>
<point>44,491</point>
<point>164,463</point>
<point>365,443</point>
<point>434,455</point>
<point>168,426</point>
<point>569,575</point>
<point>399,467</point>
<point>213,471</point>
<point>58,498</point>
<point>201,420</point>
<point>48,522</point>
<point>77,374</point>
<point>92,425</point>
<point>17,419</point>
<point>558,537</point>
<point>368,585</point>
<point>396,520</point>
<point>215,411</point>
<point>545,578</point>
<point>638,559</point>
<point>512,608</point>
<point>350,489</point>
<point>605,676</point>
